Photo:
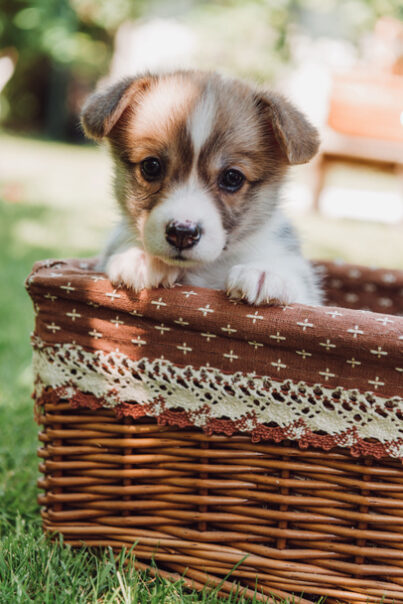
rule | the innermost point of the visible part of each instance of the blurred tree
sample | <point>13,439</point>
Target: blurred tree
<point>253,37</point>
<point>62,47</point>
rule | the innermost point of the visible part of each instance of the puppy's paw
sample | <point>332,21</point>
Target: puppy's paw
<point>258,286</point>
<point>136,270</point>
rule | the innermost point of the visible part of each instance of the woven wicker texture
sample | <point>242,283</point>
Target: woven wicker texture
<point>278,500</point>
<point>300,520</point>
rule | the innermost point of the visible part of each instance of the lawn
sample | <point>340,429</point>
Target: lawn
<point>55,202</point>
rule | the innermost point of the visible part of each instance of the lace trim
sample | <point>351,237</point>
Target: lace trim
<point>215,401</point>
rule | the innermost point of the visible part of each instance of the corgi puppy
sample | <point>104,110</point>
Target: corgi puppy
<point>199,161</point>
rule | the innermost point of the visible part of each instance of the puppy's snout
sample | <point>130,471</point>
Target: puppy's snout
<point>182,235</point>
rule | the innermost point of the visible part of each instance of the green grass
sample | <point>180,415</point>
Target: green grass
<point>34,570</point>
<point>54,202</point>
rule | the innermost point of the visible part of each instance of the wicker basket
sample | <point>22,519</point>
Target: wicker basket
<point>217,436</point>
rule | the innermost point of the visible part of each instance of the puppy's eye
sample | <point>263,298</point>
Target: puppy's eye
<point>151,168</point>
<point>231,180</point>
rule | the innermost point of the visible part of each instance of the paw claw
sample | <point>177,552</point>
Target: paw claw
<point>258,286</point>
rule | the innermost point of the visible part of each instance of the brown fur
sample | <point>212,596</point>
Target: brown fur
<point>241,138</point>
<point>257,132</point>
<point>167,139</point>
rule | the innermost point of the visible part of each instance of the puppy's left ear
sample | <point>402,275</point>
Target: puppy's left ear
<point>103,109</point>
<point>297,138</point>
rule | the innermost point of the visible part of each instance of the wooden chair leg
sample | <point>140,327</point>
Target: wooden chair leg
<point>320,167</point>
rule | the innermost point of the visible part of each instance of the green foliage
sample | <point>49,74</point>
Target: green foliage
<point>254,38</point>
<point>57,43</point>
<point>64,46</point>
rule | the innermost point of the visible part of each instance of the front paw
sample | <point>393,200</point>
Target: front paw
<point>259,286</point>
<point>137,270</point>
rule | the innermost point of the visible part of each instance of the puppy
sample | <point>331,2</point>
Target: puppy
<point>199,160</point>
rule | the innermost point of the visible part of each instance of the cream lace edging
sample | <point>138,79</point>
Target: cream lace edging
<point>207,393</point>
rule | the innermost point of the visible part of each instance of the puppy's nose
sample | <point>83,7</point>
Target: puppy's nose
<point>182,235</point>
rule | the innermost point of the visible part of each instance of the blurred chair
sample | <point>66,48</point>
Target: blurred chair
<point>365,123</point>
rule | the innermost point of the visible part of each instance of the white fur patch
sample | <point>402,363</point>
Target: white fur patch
<point>201,121</point>
<point>162,104</point>
<point>260,269</point>
<point>136,270</point>
<point>187,203</point>
<point>259,286</point>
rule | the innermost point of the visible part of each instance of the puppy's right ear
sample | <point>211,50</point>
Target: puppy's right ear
<point>297,138</point>
<point>103,109</point>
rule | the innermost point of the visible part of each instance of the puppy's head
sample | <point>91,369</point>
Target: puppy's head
<point>199,158</point>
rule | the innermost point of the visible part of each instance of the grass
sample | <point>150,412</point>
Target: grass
<point>34,570</point>
<point>54,202</point>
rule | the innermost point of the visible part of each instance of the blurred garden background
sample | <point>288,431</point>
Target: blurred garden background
<point>340,61</point>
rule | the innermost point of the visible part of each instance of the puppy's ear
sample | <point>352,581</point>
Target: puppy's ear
<point>297,138</point>
<point>103,109</point>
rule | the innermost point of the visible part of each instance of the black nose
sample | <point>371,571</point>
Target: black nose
<point>182,235</point>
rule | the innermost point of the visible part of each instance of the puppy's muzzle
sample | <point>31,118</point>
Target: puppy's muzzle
<point>182,235</point>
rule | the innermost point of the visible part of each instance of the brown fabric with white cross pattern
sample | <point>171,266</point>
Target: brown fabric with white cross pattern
<point>334,347</point>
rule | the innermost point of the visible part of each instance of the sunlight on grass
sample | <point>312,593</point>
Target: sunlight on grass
<point>55,174</point>
<point>59,231</point>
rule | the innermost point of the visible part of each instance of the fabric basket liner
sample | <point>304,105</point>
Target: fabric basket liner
<point>327,376</point>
